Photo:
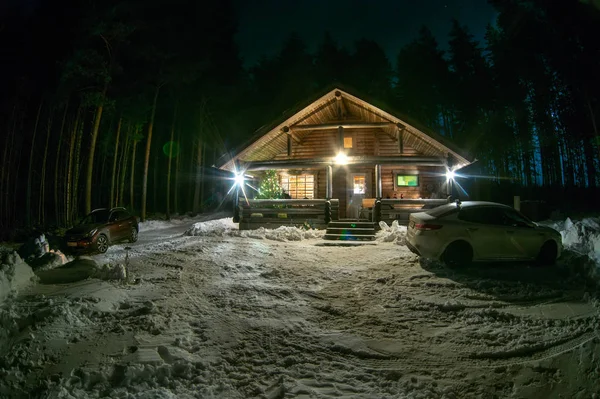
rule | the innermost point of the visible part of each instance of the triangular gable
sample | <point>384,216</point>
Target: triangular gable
<point>324,110</point>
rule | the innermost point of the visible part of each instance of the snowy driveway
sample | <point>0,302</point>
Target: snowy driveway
<point>223,316</point>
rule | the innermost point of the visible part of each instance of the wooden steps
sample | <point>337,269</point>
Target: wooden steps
<point>350,230</point>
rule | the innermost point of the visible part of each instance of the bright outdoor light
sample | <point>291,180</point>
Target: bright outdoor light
<point>239,179</point>
<point>450,175</point>
<point>341,158</point>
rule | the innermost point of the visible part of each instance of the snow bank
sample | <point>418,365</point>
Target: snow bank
<point>161,224</point>
<point>226,227</point>
<point>282,233</point>
<point>394,233</point>
<point>109,271</point>
<point>213,228</point>
<point>15,274</point>
<point>583,238</point>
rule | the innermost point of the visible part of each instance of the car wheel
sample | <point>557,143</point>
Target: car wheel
<point>458,254</point>
<point>102,243</point>
<point>547,255</point>
<point>133,237</point>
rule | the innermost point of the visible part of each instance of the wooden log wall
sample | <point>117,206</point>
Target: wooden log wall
<point>428,175</point>
<point>324,143</point>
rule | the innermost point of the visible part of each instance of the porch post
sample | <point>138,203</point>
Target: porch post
<point>329,177</point>
<point>378,187</point>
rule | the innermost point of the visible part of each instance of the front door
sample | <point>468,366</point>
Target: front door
<point>356,191</point>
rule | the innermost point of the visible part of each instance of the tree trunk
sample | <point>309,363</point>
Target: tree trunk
<point>147,158</point>
<point>169,165</point>
<point>131,180</point>
<point>177,165</point>
<point>589,154</point>
<point>5,170</point>
<point>76,169</point>
<point>56,167</point>
<point>69,188</point>
<point>93,139</point>
<point>190,186</point>
<point>122,172</point>
<point>41,210</point>
<point>30,172</point>
<point>198,177</point>
<point>155,182</point>
<point>114,168</point>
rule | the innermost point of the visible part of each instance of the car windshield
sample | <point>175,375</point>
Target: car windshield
<point>99,216</point>
<point>442,210</point>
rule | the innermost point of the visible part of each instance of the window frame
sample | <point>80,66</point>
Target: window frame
<point>294,193</point>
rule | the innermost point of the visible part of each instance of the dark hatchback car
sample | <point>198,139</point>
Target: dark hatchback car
<point>101,228</point>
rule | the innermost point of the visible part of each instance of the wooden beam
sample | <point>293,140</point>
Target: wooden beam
<point>323,162</point>
<point>291,134</point>
<point>342,111</point>
<point>401,129</point>
<point>326,126</point>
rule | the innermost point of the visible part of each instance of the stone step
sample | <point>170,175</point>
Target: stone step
<point>349,237</point>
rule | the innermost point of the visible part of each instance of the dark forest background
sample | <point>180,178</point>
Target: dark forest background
<point>93,92</point>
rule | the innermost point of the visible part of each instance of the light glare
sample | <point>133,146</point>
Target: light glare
<point>341,158</point>
<point>239,179</point>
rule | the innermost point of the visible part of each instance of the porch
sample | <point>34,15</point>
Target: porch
<point>319,213</point>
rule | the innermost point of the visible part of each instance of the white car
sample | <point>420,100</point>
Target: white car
<point>459,233</point>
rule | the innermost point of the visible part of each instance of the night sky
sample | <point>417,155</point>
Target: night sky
<point>264,24</point>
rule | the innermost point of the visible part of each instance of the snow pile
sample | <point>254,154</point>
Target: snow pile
<point>111,272</point>
<point>581,237</point>
<point>218,227</point>
<point>149,225</point>
<point>394,233</point>
<point>283,233</point>
<point>34,248</point>
<point>226,227</point>
<point>14,273</point>
<point>37,253</point>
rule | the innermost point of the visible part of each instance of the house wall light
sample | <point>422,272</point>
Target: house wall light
<point>239,179</point>
<point>341,158</point>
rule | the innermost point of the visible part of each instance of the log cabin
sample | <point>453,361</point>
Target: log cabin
<point>344,158</point>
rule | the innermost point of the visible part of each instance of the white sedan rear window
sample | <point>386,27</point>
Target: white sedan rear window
<point>442,210</point>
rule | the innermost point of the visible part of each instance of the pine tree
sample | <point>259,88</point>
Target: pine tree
<point>269,187</point>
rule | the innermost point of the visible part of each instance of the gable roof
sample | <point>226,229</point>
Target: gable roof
<point>271,140</point>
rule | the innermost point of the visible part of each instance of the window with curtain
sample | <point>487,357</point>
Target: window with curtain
<point>299,186</point>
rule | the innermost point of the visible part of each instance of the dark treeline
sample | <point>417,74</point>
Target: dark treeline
<point>107,103</point>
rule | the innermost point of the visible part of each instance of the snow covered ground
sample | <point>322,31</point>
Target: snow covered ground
<point>203,310</point>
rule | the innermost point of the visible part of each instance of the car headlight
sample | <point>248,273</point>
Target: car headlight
<point>91,233</point>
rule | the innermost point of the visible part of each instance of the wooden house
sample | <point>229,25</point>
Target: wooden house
<point>342,149</point>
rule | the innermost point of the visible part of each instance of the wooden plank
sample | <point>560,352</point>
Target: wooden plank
<point>347,125</point>
<point>289,211</point>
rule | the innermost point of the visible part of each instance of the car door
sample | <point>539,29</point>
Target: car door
<point>126,223</point>
<point>115,227</point>
<point>486,231</point>
<point>524,241</point>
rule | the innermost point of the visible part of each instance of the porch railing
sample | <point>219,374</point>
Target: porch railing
<point>388,210</point>
<point>255,213</point>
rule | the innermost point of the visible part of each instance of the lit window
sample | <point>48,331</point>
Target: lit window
<point>348,142</point>
<point>299,186</point>
<point>360,185</point>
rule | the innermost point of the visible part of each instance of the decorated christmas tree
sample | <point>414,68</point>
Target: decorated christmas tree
<point>269,186</point>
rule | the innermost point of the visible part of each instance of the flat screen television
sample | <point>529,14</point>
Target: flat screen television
<point>407,180</point>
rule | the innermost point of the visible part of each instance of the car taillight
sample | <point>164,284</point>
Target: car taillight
<point>428,226</point>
